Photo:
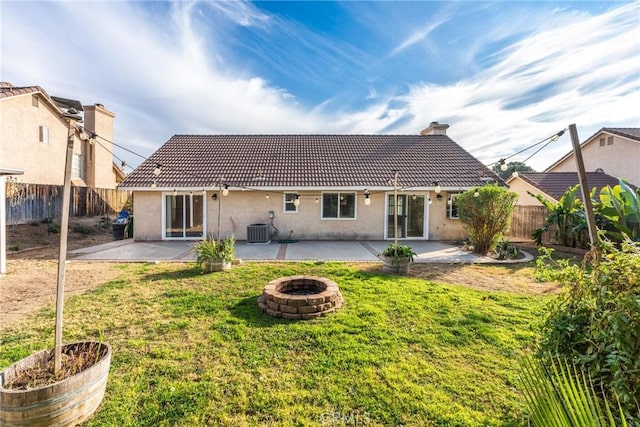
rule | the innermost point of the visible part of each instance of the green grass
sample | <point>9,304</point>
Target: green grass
<point>192,349</point>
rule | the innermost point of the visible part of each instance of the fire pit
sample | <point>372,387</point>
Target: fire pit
<point>300,297</point>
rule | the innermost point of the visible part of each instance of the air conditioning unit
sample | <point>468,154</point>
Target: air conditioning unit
<point>258,233</point>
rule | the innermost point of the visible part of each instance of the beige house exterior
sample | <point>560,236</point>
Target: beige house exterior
<point>614,151</point>
<point>304,187</point>
<point>33,138</point>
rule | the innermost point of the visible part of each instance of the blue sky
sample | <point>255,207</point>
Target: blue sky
<point>503,75</point>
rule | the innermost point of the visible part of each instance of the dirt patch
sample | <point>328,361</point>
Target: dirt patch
<point>38,240</point>
<point>515,278</point>
<point>32,272</point>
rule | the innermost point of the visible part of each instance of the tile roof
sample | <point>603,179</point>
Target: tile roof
<point>555,184</point>
<point>8,90</point>
<point>298,161</point>
<point>631,133</point>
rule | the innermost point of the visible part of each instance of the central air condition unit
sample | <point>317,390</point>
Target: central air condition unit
<point>258,233</point>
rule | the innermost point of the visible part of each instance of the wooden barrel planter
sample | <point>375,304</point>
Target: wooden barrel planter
<point>64,403</point>
<point>395,265</point>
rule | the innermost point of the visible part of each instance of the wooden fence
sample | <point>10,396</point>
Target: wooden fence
<point>525,219</point>
<point>33,202</point>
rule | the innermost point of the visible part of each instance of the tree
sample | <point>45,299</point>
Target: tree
<point>486,214</point>
<point>511,168</point>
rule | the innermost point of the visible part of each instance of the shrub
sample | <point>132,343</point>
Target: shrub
<point>621,206</point>
<point>399,251</point>
<point>34,223</point>
<point>595,322</point>
<point>507,250</point>
<point>486,214</point>
<point>53,228</point>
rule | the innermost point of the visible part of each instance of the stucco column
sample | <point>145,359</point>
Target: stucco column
<point>3,226</point>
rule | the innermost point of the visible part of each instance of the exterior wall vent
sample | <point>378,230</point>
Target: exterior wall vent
<point>258,234</point>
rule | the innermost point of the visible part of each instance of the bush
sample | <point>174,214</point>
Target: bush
<point>53,228</point>
<point>507,250</point>
<point>486,214</point>
<point>595,322</point>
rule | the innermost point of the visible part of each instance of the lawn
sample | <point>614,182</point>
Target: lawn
<point>193,349</point>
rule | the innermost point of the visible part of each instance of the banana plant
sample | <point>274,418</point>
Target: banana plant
<point>567,215</point>
<point>620,205</point>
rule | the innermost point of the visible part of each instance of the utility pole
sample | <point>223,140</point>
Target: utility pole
<point>62,255</point>
<point>395,209</point>
<point>584,186</point>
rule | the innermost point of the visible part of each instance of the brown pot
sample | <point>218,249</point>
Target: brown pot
<point>64,403</point>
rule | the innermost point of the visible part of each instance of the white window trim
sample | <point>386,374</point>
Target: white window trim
<point>163,225</point>
<point>43,134</point>
<point>355,206</point>
<point>450,206</point>
<point>284,204</point>
<point>79,158</point>
<point>427,212</point>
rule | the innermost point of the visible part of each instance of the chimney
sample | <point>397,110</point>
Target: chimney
<point>435,128</point>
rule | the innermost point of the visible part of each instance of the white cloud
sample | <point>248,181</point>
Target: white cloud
<point>167,71</point>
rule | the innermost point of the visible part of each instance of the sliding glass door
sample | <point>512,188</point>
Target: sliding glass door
<point>411,216</point>
<point>184,216</point>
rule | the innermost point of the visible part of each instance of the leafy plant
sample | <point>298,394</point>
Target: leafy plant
<point>486,214</point>
<point>621,206</point>
<point>595,322</point>
<point>566,217</point>
<point>560,395</point>
<point>399,251</point>
<point>507,250</point>
<point>53,228</point>
<point>210,250</point>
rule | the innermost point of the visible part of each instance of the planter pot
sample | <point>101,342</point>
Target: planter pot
<point>216,265</point>
<point>395,265</point>
<point>64,403</point>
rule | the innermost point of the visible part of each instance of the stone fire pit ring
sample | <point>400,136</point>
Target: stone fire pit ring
<point>300,297</point>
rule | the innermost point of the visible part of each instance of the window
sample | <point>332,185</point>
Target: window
<point>452,206</point>
<point>76,166</point>
<point>34,101</point>
<point>602,142</point>
<point>43,134</point>
<point>609,140</point>
<point>290,203</point>
<point>338,205</point>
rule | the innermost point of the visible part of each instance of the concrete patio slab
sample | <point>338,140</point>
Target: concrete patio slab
<point>366,251</point>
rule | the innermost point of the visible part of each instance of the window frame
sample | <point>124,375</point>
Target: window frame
<point>77,166</point>
<point>43,134</point>
<point>289,201</point>
<point>353,194</point>
<point>450,206</point>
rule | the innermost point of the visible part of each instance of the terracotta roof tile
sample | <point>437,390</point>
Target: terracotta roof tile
<point>555,184</point>
<point>309,161</point>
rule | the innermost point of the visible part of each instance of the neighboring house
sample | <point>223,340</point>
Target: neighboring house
<point>552,186</point>
<point>33,138</point>
<point>614,151</point>
<point>308,186</point>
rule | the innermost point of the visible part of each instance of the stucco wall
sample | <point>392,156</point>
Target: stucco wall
<point>20,146</point>
<point>621,159</point>
<point>240,209</point>
<point>440,226</point>
<point>42,163</point>
<point>99,158</point>
<point>147,214</point>
<point>520,187</point>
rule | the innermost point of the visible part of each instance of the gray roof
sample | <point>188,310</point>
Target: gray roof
<point>631,133</point>
<point>555,184</point>
<point>299,161</point>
